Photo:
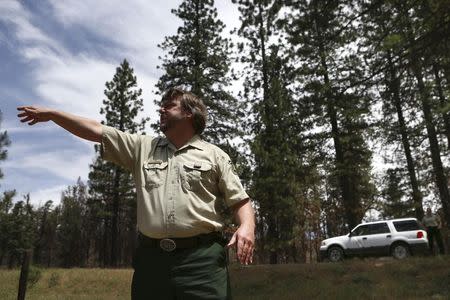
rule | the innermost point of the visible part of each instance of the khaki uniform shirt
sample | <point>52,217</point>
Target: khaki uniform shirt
<point>180,192</point>
<point>431,221</point>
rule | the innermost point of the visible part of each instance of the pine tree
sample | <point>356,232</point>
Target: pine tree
<point>277,171</point>
<point>6,224</point>
<point>387,62</point>
<point>45,247</point>
<point>111,188</point>
<point>42,214</point>
<point>198,58</point>
<point>277,177</point>
<point>329,72</point>
<point>22,230</point>
<point>417,64</point>
<point>414,37</point>
<point>394,194</point>
<point>71,234</point>
<point>6,203</point>
<point>433,17</point>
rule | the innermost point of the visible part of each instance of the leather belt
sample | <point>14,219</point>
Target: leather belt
<point>170,244</point>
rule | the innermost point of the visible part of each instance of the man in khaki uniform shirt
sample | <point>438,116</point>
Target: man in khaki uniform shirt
<point>183,186</point>
<point>433,224</point>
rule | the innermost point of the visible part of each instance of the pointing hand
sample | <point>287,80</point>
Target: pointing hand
<point>33,114</point>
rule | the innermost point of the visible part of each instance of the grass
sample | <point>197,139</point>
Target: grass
<point>414,278</point>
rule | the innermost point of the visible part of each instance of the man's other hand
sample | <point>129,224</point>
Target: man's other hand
<point>33,114</point>
<point>244,241</point>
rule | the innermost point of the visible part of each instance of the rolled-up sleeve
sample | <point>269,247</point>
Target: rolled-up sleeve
<point>229,183</point>
<point>119,147</point>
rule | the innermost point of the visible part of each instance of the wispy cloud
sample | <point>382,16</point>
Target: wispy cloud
<point>136,27</point>
<point>35,43</point>
<point>68,164</point>
<point>74,84</point>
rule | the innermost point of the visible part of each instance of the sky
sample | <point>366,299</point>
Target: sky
<point>59,54</point>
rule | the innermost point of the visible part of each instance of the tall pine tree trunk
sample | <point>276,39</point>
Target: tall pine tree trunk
<point>395,90</point>
<point>38,249</point>
<point>272,220</point>
<point>272,233</point>
<point>416,66</point>
<point>351,205</point>
<point>350,201</point>
<point>105,259</point>
<point>49,257</point>
<point>441,180</point>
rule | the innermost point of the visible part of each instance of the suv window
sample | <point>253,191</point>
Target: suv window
<point>378,228</point>
<point>406,225</point>
<point>361,230</point>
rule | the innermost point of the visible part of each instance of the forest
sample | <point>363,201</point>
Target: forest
<point>333,112</point>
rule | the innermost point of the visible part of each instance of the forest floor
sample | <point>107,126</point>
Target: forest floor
<point>376,278</point>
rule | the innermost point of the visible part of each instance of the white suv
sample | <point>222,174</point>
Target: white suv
<point>399,238</point>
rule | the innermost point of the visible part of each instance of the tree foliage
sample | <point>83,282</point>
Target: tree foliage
<point>198,58</point>
<point>111,188</point>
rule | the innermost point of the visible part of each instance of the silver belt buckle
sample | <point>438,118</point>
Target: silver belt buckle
<point>167,245</point>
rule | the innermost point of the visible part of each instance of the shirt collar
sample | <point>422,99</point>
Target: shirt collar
<point>196,142</point>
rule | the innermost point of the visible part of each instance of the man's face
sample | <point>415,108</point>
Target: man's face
<point>172,116</point>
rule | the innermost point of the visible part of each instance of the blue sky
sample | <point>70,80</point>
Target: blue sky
<point>59,54</point>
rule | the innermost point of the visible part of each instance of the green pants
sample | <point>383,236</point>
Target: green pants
<point>196,273</point>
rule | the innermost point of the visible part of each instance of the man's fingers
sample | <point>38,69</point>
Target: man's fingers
<point>244,247</point>
<point>33,122</point>
<point>29,118</point>
<point>25,108</point>
<point>240,249</point>
<point>22,114</point>
<point>250,257</point>
<point>243,255</point>
<point>247,252</point>
<point>250,254</point>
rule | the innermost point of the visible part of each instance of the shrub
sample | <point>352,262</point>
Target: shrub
<point>53,280</point>
<point>34,274</point>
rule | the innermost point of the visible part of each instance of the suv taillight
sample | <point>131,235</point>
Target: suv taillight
<point>419,234</point>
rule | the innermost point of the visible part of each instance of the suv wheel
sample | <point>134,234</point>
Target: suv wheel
<point>335,254</point>
<point>400,251</point>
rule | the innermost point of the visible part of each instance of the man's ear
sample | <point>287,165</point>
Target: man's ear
<point>190,114</point>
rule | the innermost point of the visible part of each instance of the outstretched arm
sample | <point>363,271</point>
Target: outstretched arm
<point>82,127</point>
<point>244,237</point>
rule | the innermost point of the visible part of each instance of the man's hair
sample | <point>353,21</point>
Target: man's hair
<point>189,103</point>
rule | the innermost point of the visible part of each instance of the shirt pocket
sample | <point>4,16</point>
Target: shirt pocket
<point>194,173</point>
<point>154,173</point>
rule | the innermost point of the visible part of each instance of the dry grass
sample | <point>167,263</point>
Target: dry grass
<point>71,284</point>
<point>415,278</point>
